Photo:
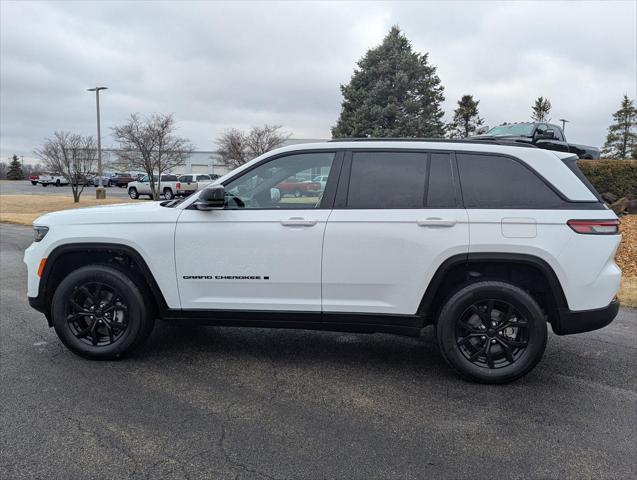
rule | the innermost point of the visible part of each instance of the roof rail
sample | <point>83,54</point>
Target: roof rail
<point>490,141</point>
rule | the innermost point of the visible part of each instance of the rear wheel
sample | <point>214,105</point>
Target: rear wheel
<point>132,193</point>
<point>168,194</point>
<point>34,183</point>
<point>100,313</point>
<point>491,332</point>
<point>57,182</point>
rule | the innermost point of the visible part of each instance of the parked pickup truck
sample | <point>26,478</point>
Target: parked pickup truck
<point>299,188</point>
<point>49,179</point>
<point>542,135</point>
<point>192,182</point>
<point>167,187</point>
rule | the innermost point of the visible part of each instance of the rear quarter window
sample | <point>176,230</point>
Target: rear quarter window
<point>493,181</point>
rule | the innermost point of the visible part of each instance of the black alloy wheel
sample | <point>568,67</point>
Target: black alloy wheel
<point>97,314</point>
<point>492,334</point>
<point>101,311</point>
<point>491,331</point>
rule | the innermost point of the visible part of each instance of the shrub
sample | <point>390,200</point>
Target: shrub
<point>618,177</point>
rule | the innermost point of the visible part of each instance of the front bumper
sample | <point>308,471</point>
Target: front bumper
<point>570,322</point>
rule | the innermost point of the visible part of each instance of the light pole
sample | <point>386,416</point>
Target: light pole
<point>99,192</point>
<point>564,122</point>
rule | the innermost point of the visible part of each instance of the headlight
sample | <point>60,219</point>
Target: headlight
<point>39,233</point>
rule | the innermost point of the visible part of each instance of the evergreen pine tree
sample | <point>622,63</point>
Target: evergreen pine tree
<point>466,118</point>
<point>15,169</point>
<point>540,110</point>
<point>621,141</point>
<point>395,92</point>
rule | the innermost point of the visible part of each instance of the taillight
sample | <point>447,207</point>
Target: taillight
<point>595,227</point>
<point>178,185</point>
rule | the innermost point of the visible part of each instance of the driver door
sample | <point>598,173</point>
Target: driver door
<point>263,250</point>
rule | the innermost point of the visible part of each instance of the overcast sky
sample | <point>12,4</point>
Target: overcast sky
<point>219,65</point>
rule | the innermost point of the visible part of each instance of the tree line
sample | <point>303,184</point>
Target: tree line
<point>393,92</point>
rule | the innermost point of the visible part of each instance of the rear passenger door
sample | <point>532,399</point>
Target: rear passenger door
<point>396,218</point>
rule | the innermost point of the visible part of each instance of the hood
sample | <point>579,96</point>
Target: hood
<point>147,212</point>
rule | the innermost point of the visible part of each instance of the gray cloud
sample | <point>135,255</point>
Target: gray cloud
<point>219,65</point>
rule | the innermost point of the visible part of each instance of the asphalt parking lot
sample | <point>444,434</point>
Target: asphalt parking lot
<point>25,188</point>
<point>231,403</point>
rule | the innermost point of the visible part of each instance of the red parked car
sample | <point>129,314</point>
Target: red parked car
<point>33,178</point>
<point>123,179</point>
<point>299,188</point>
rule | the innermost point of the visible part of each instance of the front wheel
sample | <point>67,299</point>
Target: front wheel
<point>57,183</point>
<point>168,194</point>
<point>491,332</point>
<point>34,183</point>
<point>132,193</point>
<point>98,312</point>
<point>298,193</point>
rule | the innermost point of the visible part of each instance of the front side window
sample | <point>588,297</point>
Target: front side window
<point>283,183</point>
<point>202,178</point>
<point>490,181</point>
<point>185,178</point>
<point>381,180</point>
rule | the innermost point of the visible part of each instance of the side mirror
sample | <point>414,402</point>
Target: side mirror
<point>275,195</point>
<point>211,198</point>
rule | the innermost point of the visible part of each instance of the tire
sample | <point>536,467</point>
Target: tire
<point>298,194</point>
<point>120,322</point>
<point>132,193</point>
<point>168,194</point>
<point>45,184</point>
<point>34,183</point>
<point>57,183</point>
<point>491,332</point>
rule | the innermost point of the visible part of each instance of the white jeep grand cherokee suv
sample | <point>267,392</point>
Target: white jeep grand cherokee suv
<point>484,240</point>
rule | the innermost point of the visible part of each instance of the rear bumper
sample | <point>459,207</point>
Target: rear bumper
<point>570,322</point>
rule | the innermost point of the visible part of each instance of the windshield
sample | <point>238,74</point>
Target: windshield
<point>513,129</point>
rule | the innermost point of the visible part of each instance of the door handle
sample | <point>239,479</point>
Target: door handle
<point>436,222</point>
<point>298,222</point>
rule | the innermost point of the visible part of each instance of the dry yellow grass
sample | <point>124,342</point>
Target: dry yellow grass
<point>23,209</point>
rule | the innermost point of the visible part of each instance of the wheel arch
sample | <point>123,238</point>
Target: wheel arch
<point>69,256</point>
<point>522,269</point>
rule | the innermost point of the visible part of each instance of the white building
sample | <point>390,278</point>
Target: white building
<point>202,161</point>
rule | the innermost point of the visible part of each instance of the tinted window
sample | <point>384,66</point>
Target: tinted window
<point>441,192</point>
<point>500,182</point>
<point>185,178</point>
<point>169,178</point>
<point>202,177</point>
<point>387,180</point>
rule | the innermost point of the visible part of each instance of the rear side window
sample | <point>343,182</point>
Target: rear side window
<point>490,181</point>
<point>441,191</point>
<point>185,178</point>
<point>168,178</point>
<point>387,180</point>
<point>571,163</point>
<point>202,177</point>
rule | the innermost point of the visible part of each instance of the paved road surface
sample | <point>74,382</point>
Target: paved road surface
<point>8,187</point>
<point>267,404</point>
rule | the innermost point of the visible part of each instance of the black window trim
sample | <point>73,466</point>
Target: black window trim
<point>567,203</point>
<point>329,193</point>
<point>342,192</point>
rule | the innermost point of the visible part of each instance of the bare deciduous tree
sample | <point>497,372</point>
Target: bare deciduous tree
<point>72,156</point>
<point>232,147</point>
<point>150,144</point>
<point>263,139</point>
<point>237,147</point>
